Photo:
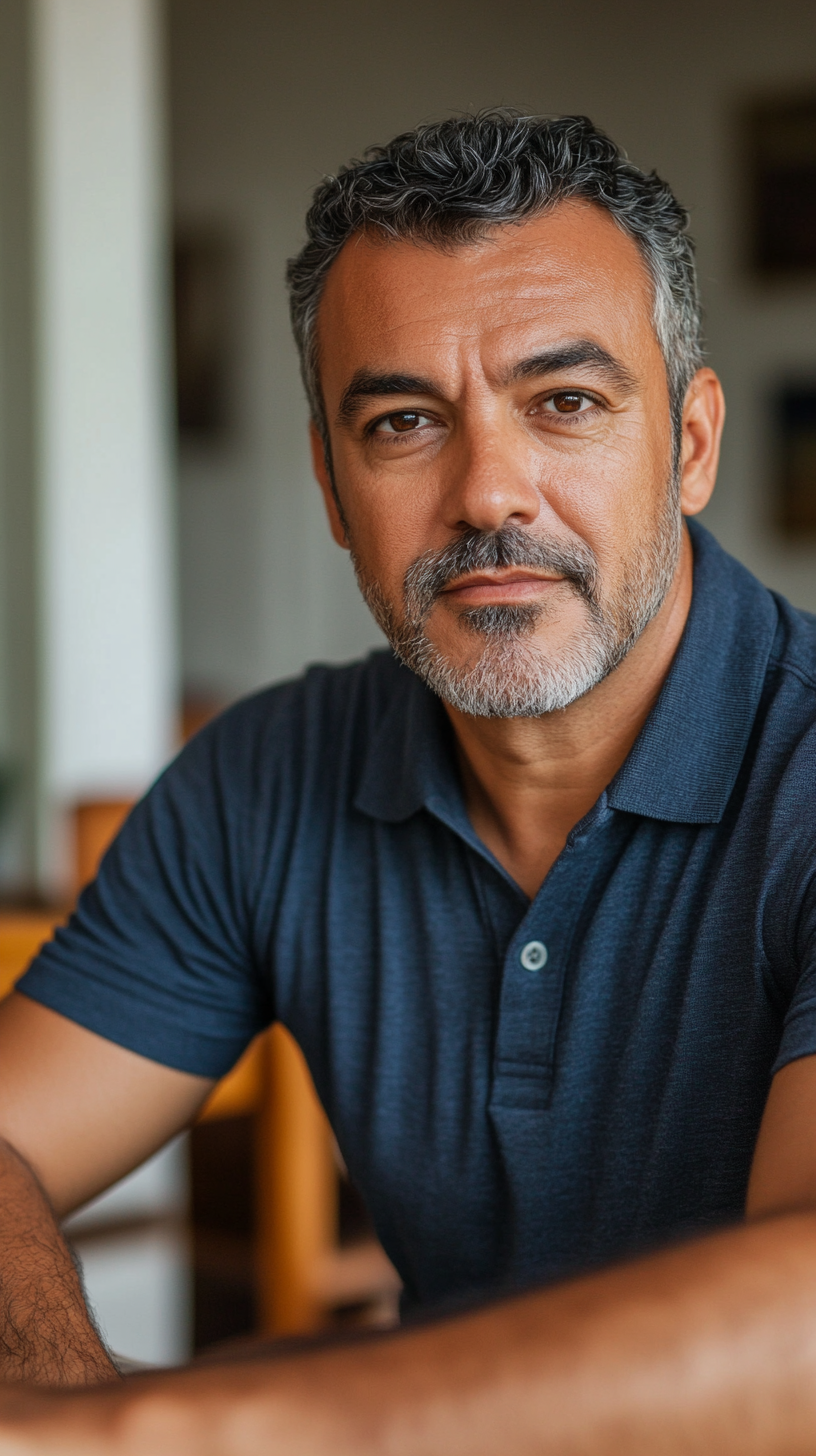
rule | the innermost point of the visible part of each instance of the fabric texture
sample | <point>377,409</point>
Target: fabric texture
<point>509,1117</point>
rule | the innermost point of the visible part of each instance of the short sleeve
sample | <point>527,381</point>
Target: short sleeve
<point>159,954</point>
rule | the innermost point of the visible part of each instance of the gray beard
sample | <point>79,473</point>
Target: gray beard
<point>512,677</point>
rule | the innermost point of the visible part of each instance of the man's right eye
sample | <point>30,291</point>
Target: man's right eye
<point>402,422</point>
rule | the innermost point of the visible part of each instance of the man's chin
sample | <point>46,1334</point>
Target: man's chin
<point>509,672</point>
<point>473,646</point>
<point>510,677</point>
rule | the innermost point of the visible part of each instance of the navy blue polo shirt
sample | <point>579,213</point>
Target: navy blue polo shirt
<point>520,1089</point>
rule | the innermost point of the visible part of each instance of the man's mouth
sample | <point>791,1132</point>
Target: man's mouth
<point>495,588</point>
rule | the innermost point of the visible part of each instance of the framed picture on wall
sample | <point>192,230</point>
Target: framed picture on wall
<point>780,140</point>
<point>796,461</point>
<point>203,297</point>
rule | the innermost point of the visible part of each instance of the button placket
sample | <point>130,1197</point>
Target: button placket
<point>532,989</point>
<point>534,974</point>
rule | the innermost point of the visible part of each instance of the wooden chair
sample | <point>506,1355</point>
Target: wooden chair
<point>22,932</point>
<point>304,1275</point>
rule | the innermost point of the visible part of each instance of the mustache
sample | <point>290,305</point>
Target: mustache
<point>428,576</point>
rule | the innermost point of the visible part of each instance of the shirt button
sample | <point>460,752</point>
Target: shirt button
<point>534,955</point>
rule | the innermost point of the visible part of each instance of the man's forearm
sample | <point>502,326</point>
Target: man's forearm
<point>707,1350</point>
<point>46,1334</point>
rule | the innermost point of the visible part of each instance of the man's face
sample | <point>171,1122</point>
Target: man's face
<point>502,453</point>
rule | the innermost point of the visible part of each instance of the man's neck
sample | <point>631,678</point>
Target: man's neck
<point>528,781</point>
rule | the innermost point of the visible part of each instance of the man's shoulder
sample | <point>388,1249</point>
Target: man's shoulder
<point>756,608</point>
<point>787,711</point>
<point>290,755</point>
<point>310,715</point>
<point>785,753</point>
<point>794,648</point>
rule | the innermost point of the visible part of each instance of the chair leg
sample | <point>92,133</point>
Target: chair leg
<point>297,1193</point>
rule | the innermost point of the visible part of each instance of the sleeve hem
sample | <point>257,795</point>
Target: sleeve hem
<point>138,1028</point>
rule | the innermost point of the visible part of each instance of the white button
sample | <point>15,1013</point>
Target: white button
<point>533,955</point>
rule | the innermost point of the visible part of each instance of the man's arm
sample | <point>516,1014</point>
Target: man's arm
<point>705,1350</point>
<point>783,1176</point>
<point>46,1335</point>
<point>709,1348</point>
<point>76,1113</point>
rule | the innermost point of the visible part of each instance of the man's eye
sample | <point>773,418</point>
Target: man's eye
<point>400,423</point>
<point>568,402</point>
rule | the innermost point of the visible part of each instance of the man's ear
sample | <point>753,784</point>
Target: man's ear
<point>321,470</point>
<point>703,420</point>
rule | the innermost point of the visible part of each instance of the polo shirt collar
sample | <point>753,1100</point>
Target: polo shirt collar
<point>411,761</point>
<point>686,758</point>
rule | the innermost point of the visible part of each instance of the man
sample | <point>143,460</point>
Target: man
<point>535,895</point>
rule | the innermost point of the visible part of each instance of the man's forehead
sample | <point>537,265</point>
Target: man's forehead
<point>570,269</point>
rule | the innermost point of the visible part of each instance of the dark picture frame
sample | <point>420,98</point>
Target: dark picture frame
<point>780,148</point>
<point>795,430</point>
<point>203,309</point>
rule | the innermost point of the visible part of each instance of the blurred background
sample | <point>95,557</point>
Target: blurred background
<point>162,546</point>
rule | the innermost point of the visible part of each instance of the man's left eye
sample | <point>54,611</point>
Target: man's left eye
<point>400,423</point>
<point>568,402</point>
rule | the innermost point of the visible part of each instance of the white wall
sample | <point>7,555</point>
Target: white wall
<point>88,649</point>
<point>268,96</point>
<point>18,585</point>
<point>108,649</point>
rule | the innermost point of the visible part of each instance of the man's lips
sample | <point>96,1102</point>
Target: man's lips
<point>482,587</point>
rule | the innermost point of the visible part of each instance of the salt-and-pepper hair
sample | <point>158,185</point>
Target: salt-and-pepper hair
<point>452,181</point>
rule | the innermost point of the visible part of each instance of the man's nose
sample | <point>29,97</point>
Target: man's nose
<point>488,485</point>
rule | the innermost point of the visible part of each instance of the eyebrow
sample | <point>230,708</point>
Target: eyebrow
<point>573,356</point>
<point>366,385</point>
